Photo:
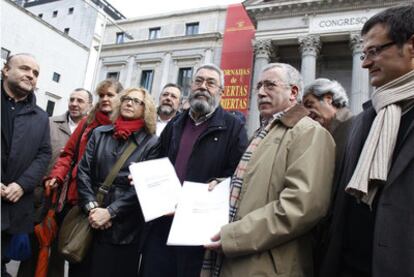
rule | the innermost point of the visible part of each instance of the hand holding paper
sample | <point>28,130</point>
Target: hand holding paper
<point>200,213</point>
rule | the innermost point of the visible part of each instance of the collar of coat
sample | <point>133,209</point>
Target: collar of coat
<point>293,115</point>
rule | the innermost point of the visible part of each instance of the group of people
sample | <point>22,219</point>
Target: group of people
<point>315,191</point>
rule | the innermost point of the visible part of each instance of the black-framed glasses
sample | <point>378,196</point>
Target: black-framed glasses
<point>210,83</point>
<point>269,85</point>
<point>134,100</point>
<point>375,50</point>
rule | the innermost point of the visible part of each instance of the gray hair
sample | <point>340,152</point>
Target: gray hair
<point>322,86</point>
<point>292,74</point>
<point>212,67</point>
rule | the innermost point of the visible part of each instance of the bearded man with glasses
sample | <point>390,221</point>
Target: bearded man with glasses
<point>202,143</point>
<point>372,225</point>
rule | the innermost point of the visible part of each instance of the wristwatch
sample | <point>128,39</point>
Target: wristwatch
<point>90,205</point>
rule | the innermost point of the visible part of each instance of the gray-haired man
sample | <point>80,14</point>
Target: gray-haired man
<point>202,143</point>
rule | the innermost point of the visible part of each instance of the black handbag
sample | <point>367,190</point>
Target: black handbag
<point>75,236</point>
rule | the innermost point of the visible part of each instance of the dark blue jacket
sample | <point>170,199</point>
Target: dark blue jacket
<point>25,163</point>
<point>217,151</point>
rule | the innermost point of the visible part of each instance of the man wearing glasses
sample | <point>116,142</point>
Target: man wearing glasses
<point>280,189</point>
<point>372,231</point>
<point>202,143</point>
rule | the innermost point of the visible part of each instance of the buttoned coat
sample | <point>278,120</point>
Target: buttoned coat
<point>286,190</point>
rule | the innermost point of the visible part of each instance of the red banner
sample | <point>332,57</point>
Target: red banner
<point>237,59</point>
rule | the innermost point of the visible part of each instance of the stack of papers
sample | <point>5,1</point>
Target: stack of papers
<point>157,187</point>
<point>200,213</point>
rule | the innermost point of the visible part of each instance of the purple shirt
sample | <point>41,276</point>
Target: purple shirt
<point>190,135</point>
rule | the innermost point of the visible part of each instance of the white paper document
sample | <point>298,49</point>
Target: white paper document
<point>157,187</point>
<point>200,213</point>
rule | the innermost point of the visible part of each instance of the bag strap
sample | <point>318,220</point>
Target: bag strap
<point>104,189</point>
<point>64,190</point>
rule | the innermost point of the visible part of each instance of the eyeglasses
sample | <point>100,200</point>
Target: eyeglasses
<point>134,100</point>
<point>269,85</point>
<point>375,50</point>
<point>210,83</point>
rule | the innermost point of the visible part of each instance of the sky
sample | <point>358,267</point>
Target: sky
<point>136,8</point>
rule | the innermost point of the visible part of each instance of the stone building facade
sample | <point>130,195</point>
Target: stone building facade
<point>319,37</point>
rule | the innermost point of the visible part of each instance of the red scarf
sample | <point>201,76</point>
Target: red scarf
<point>124,128</point>
<point>100,119</point>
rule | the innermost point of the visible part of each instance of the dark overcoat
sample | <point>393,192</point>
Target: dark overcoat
<point>393,239</point>
<point>24,160</point>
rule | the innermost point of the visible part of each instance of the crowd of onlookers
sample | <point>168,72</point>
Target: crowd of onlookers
<point>316,191</point>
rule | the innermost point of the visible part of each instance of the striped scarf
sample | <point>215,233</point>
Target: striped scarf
<point>212,260</point>
<point>390,102</point>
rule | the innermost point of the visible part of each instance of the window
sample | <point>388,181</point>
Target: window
<point>50,107</point>
<point>56,77</point>
<point>55,13</point>
<point>185,75</point>
<point>70,10</point>
<point>120,37</point>
<point>112,75</point>
<point>146,79</point>
<point>40,15</point>
<point>154,33</point>
<point>4,53</point>
<point>191,29</point>
<point>66,30</point>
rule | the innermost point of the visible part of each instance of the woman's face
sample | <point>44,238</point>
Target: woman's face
<point>132,105</point>
<point>106,99</point>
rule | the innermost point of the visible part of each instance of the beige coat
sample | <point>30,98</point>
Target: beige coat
<point>59,135</point>
<point>285,192</point>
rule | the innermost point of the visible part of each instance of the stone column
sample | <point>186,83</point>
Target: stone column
<point>130,69</point>
<point>309,47</point>
<point>208,54</point>
<point>262,51</point>
<point>165,72</point>
<point>360,78</point>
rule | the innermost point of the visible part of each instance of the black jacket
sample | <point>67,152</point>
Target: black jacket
<point>24,160</point>
<point>217,151</point>
<point>101,154</point>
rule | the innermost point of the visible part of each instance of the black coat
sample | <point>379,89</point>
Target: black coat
<point>393,237</point>
<point>25,163</point>
<point>102,152</point>
<point>217,151</point>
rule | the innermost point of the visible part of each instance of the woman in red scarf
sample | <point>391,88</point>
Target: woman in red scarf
<point>118,221</point>
<point>63,174</point>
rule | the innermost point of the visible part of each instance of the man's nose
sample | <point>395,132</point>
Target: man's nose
<point>367,62</point>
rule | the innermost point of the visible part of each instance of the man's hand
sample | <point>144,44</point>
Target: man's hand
<point>12,192</point>
<point>99,218</point>
<point>212,185</point>
<point>3,190</point>
<point>215,245</point>
<point>51,183</point>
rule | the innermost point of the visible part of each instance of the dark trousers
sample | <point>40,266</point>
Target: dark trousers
<point>160,260</point>
<point>56,264</point>
<point>5,239</point>
<point>109,260</point>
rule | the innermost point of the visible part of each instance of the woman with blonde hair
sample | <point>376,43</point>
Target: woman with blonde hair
<point>63,174</point>
<point>116,222</point>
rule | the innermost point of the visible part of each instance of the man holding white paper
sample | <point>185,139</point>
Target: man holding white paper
<point>280,189</point>
<point>202,143</point>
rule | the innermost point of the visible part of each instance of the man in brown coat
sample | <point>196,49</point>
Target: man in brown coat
<point>281,187</point>
<point>61,127</point>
